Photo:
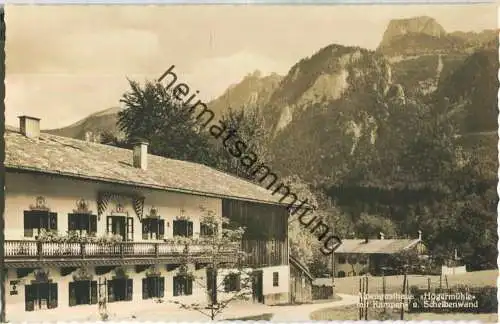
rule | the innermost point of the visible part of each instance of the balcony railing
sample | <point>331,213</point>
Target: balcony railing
<point>18,249</point>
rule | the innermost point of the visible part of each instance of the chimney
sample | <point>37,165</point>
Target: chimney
<point>419,235</point>
<point>29,126</point>
<point>141,155</point>
<point>381,235</point>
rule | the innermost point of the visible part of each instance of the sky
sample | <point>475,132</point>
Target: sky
<point>66,62</point>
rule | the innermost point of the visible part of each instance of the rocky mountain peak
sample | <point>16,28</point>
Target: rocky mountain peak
<point>416,25</point>
<point>329,75</point>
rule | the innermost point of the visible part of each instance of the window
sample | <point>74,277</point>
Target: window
<point>35,221</point>
<point>82,223</point>
<point>153,228</point>
<point>183,228</point>
<point>341,274</point>
<point>363,259</point>
<point>120,225</point>
<point>153,287</point>
<point>276,279</point>
<point>352,259</point>
<point>232,282</point>
<point>82,292</point>
<point>120,289</point>
<point>208,229</point>
<point>342,259</point>
<point>40,296</point>
<point>183,286</point>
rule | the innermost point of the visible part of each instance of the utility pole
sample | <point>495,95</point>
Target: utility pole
<point>333,271</point>
<point>404,291</point>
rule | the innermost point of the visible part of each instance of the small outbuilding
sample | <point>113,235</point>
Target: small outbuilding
<point>300,282</point>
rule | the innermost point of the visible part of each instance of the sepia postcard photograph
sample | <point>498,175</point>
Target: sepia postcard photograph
<point>286,163</point>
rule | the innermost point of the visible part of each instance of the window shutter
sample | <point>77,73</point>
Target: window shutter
<point>227,283</point>
<point>41,220</point>
<point>71,222</point>
<point>93,291</point>
<point>72,294</point>
<point>52,295</point>
<point>145,229</point>
<point>53,221</point>
<point>28,224</point>
<point>29,298</point>
<point>161,286</point>
<point>111,295</point>
<point>109,224</point>
<point>145,288</point>
<point>161,228</point>
<point>238,282</point>
<point>93,224</point>
<point>130,289</point>
<point>189,286</point>
<point>176,228</point>
<point>189,228</point>
<point>130,229</point>
<point>80,222</point>
<point>176,286</point>
<point>154,228</point>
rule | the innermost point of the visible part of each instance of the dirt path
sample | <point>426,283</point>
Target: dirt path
<point>301,313</point>
<point>166,312</point>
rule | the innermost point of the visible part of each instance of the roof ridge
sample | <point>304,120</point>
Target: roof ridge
<point>155,156</point>
<point>103,162</point>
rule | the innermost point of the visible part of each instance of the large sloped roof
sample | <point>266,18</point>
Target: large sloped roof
<point>386,246</point>
<point>51,154</point>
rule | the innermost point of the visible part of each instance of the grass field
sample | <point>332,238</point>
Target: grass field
<point>350,285</point>
<point>352,313</point>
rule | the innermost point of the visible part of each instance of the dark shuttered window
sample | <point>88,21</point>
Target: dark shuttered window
<point>35,221</point>
<point>232,282</point>
<point>183,228</point>
<point>207,230</point>
<point>83,292</point>
<point>82,223</point>
<point>183,286</point>
<point>153,228</point>
<point>276,279</point>
<point>153,287</point>
<point>120,290</point>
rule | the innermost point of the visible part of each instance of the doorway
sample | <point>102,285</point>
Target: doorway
<point>40,295</point>
<point>122,226</point>
<point>117,225</point>
<point>257,286</point>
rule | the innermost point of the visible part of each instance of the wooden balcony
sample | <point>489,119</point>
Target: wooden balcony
<point>19,253</point>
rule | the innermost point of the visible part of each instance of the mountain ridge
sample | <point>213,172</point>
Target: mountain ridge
<point>324,77</point>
